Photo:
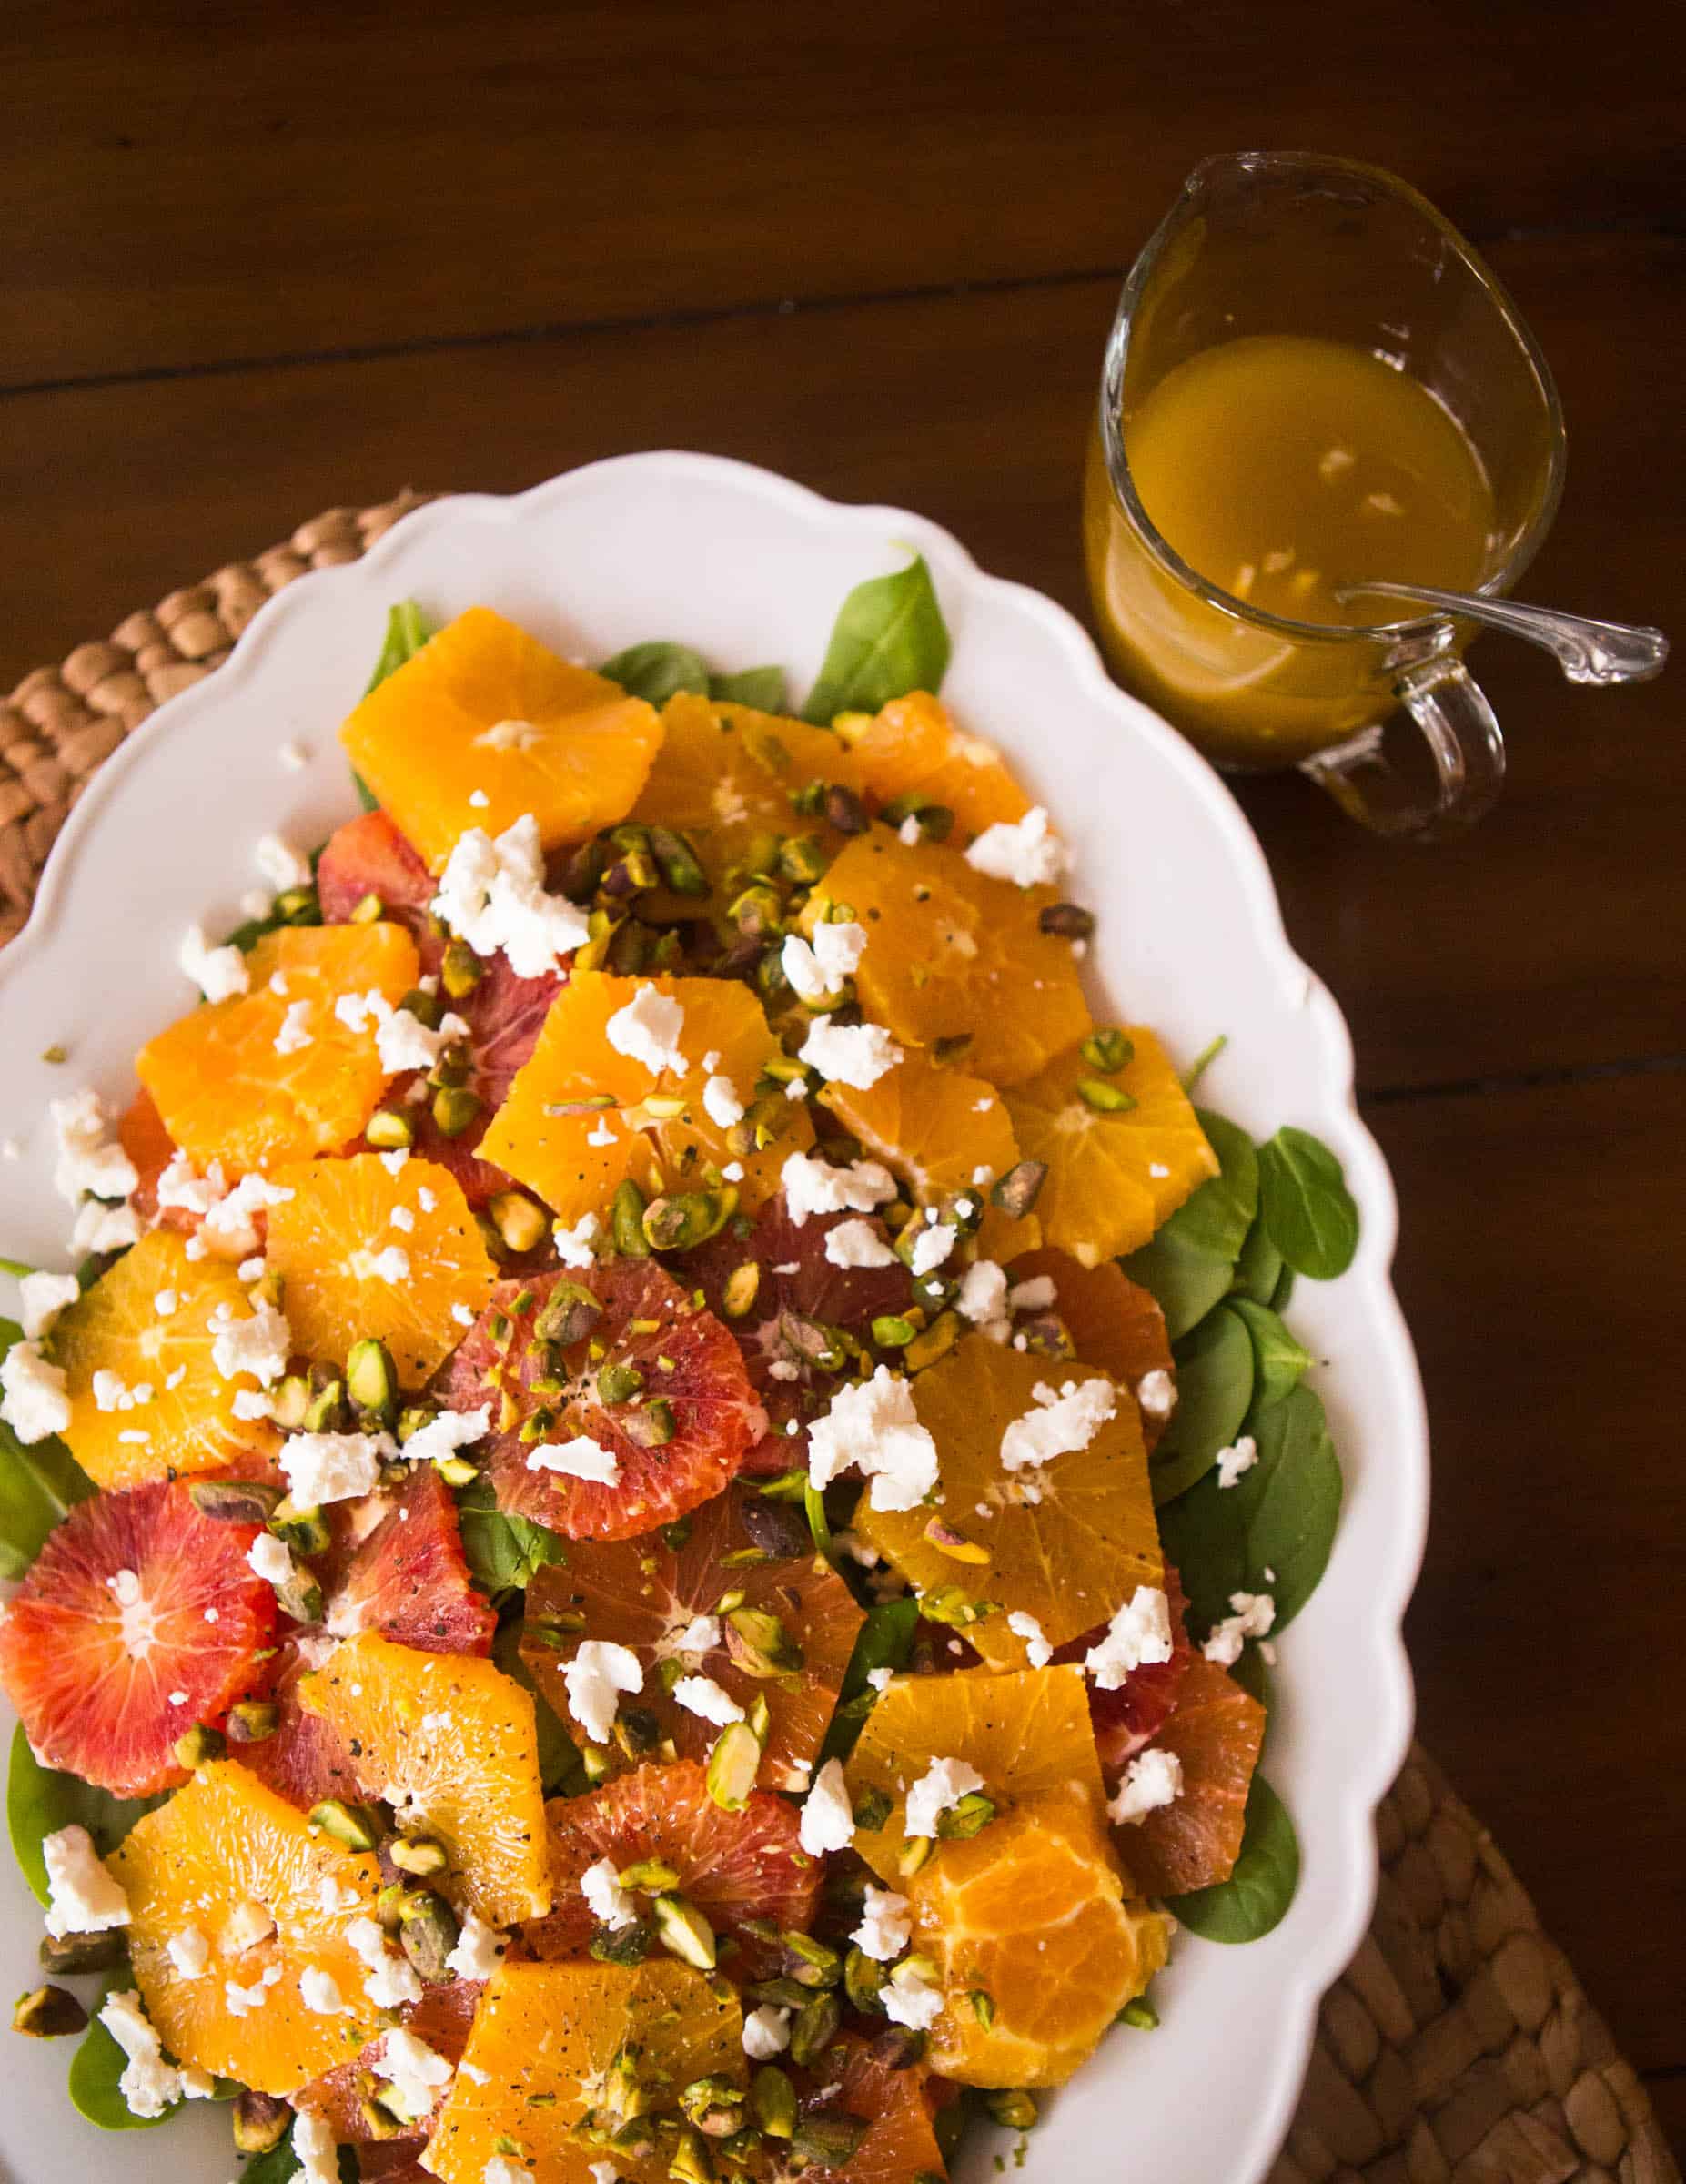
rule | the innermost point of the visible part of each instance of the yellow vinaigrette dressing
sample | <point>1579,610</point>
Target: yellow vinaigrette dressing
<point>1280,466</point>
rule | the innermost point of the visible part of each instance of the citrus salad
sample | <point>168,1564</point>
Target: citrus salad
<point>648,1539</point>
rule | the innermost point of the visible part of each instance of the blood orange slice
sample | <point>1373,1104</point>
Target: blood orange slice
<point>1115,1322</point>
<point>1216,1731</point>
<point>342,2098</point>
<point>306,1759</point>
<point>1133,1715</point>
<point>897,2105</point>
<point>793,1288</point>
<point>369,857</point>
<point>139,1619</point>
<point>151,1148</point>
<point>646,1594</point>
<point>672,1441</point>
<point>733,1865</point>
<point>408,1579</point>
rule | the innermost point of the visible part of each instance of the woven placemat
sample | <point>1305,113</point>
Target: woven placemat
<point>1459,2048</point>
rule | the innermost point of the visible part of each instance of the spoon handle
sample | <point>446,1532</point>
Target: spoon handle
<point>1600,652</point>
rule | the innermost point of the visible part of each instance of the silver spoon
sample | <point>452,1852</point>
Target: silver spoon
<point>1600,652</point>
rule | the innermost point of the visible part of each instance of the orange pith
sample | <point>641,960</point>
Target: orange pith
<point>484,709</point>
<point>913,748</point>
<point>117,1328</point>
<point>575,1160</point>
<point>224,1842</point>
<point>457,1738</point>
<point>951,952</point>
<point>1115,1322</point>
<point>725,776</point>
<point>224,1091</point>
<point>1193,1842</point>
<point>541,2054</point>
<point>331,1243</point>
<point>1066,1542</point>
<point>1113,1177</point>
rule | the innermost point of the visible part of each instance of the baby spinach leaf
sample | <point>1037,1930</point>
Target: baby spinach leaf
<point>1260,1889</point>
<point>1279,1518</point>
<point>885,1641</point>
<point>98,2065</point>
<point>1308,1208</point>
<point>504,1552</point>
<point>408,629</point>
<point>1185,1280</point>
<point>280,2164</point>
<point>1190,1263</point>
<point>38,1485</point>
<point>762,687</point>
<point>1254,1677</point>
<point>1259,1267</point>
<point>558,1757</point>
<point>889,638</point>
<point>1213,1389</point>
<point>658,671</point>
<point>1280,1361</point>
<point>39,1801</point>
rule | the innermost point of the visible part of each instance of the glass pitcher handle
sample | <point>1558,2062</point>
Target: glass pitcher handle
<point>1462,734</point>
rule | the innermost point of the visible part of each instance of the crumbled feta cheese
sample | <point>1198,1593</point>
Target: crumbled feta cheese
<point>334,1466</point>
<point>702,1696</point>
<point>597,1673</point>
<point>259,1345</point>
<point>1033,1296</point>
<point>478,1951</point>
<point>910,834</point>
<point>82,1896</point>
<point>33,1399</point>
<point>43,1298</point>
<point>392,1979</point>
<point>148,2084</point>
<point>698,1636</point>
<point>819,966</point>
<point>1037,1650</point>
<point>318,2156</point>
<point>492,895</point>
<point>319,1992</point>
<point>814,1186</point>
<point>425,1199</point>
<point>280,864</point>
<point>609,1903</point>
<point>766,2033</point>
<point>1233,1461</point>
<point>218,973</point>
<point>648,1030</point>
<point>885,1929</point>
<point>270,1559</point>
<point>931,1246</point>
<point>189,1952</point>
<point>909,1998</point>
<point>581,1458</point>
<point>91,1161</point>
<point>872,1428</point>
<point>1158,1171</point>
<point>98,1229</point>
<point>1025,852</point>
<point>1138,1633</point>
<point>573,1245</point>
<point>246,1924</point>
<point>443,1435</point>
<point>850,1054</point>
<point>1060,1424</point>
<point>721,1102</point>
<point>983,1295</point>
<point>1254,1614</point>
<point>500,2170</point>
<point>857,1244</point>
<point>604,1134</point>
<point>880,1679</point>
<point>1155,1391</point>
<point>938,1790</point>
<point>165,1303</point>
<point>295,1034</point>
<point>416,2072</point>
<point>827,1820</point>
<point>1152,1779</point>
<point>462,1314</point>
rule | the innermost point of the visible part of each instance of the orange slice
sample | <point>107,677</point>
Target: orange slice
<point>940,1131</point>
<point>458,1737</point>
<point>1113,1177</point>
<point>554,1134</point>
<point>894,2099</point>
<point>1217,1733</point>
<point>373,1246</point>
<point>1115,1322</point>
<point>225,1092</point>
<point>951,952</point>
<point>545,2038</point>
<point>1066,1542</point>
<point>224,1861</point>
<point>913,748</point>
<point>147,1399</point>
<point>724,777</point>
<point>486,724</point>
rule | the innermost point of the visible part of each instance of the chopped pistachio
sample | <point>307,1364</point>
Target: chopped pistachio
<point>733,1766</point>
<point>389,1130</point>
<point>261,2121</point>
<point>422,1856</point>
<point>48,2012</point>
<point>1012,2108</point>
<point>72,1954</point>
<point>371,1379</point>
<point>234,1501</point>
<point>682,1930</point>
<point>772,2101</point>
<point>253,1720</point>
<point>358,1827</point>
<point>455,1109</point>
<point>198,1745</point>
<point>813,2027</point>
<point>1104,1098</point>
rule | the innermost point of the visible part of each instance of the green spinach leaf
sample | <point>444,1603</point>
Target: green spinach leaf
<point>1215,1376</point>
<point>1260,1889</point>
<point>1308,1208</point>
<point>1259,1267</point>
<point>762,687</point>
<point>280,2164</point>
<point>1185,1281</point>
<point>408,629</point>
<point>504,1552</point>
<point>39,1801</point>
<point>1190,1263</point>
<point>658,671</point>
<point>1283,1293</point>
<point>889,638</point>
<point>558,1757</point>
<point>1279,1518</point>
<point>38,1486</point>
<point>1280,1361</point>
<point>98,2065</point>
<point>885,1641</point>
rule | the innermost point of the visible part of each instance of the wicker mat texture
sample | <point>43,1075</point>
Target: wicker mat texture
<point>1459,2048</point>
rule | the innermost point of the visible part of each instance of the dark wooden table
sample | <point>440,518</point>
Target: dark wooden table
<point>257,261</point>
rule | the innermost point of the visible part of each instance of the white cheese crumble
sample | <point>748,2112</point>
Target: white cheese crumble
<point>850,1054</point>
<point>721,1103</point>
<point>939,1790</point>
<point>500,2170</point>
<point>872,1428</point>
<point>827,1815</point>
<point>218,973</point>
<point>982,1297</point>
<point>698,1636</point>
<point>702,1696</point>
<point>1037,1650</point>
<point>98,1228</point>
<point>648,1030</point>
<point>1254,1614</point>
<point>817,968</point>
<point>319,1992</point>
<point>443,1435</point>
<point>148,2084</point>
<point>392,1979</point>
<point>478,1951</point>
<point>766,2033</point>
<point>280,864</point>
<point>857,1244</point>
<point>492,895</point>
<point>42,1298</point>
<point>318,2156</point>
<point>581,1458</point>
<point>1032,1296</point>
<point>391,1264</point>
<point>1155,1391</point>
<point>1152,1779</point>
<point>886,1928</point>
<point>259,1345</point>
<point>573,1245</point>
<point>91,1161</point>
<point>334,1466</point>
<point>1061,1423</point>
<point>599,1672</point>
<point>33,1400</point>
<point>609,1901</point>
<point>814,1186</point>
<point>909,1998</point>
<point>1140,1632</point>
<point>1233,1461</point>
<point>931,1247</point>
<point>295,1034</point>
<point>82,1896</point>
<point>270,1559</point>
<point>189,1952</point>
<point>1026,852</point>
<point>416,2072</point>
